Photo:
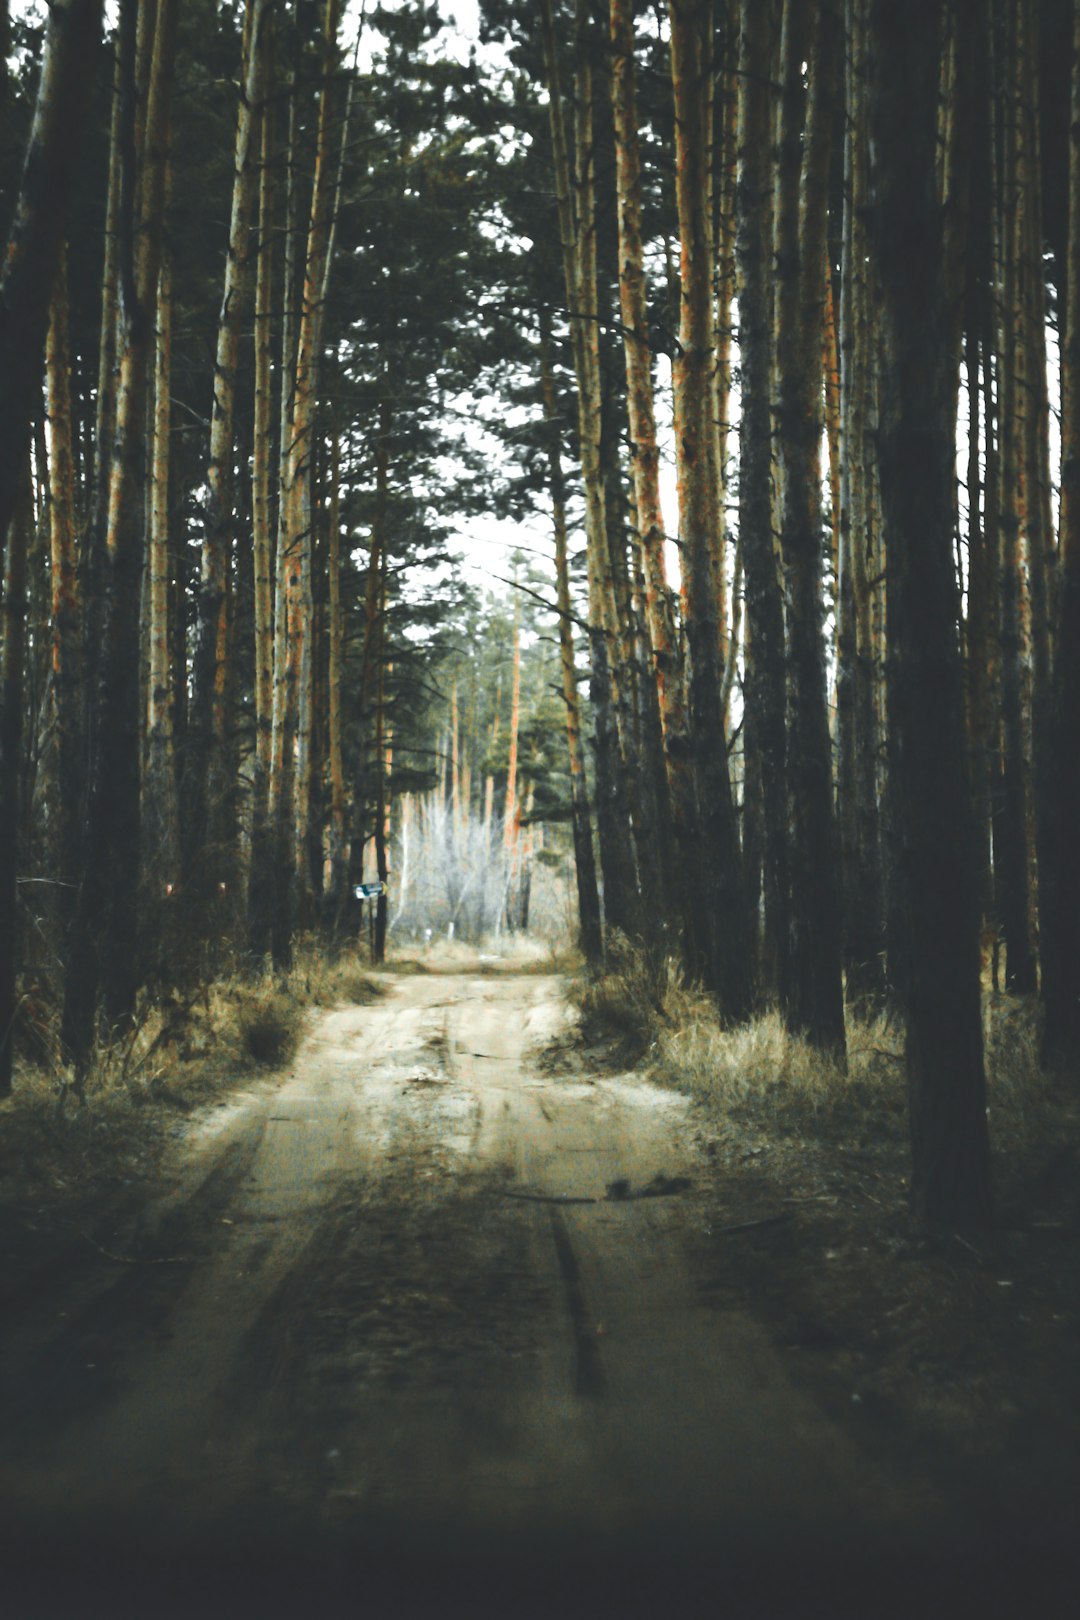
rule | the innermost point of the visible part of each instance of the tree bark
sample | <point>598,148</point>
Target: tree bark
<point>263,512</point>
<point>765,693</point>
<point>726,969</point>
<point>65,612</point>
<point>1012,858</point>
<point>577,230</point>
<point>37,230</point>
<point>950,1179</point>
<point>209,791</point>
<point>857,735</point>
<point>1059,892</point>
<point>105,951</point>
<point>160,800</point>
<point>815,1003</point>
<point>677,803</point>
<point>584,858</point>
<point>12,659</point>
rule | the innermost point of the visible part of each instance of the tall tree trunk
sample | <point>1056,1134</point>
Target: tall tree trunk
<point>65,615</point>
<point>297,493</point>
<point>584,858</point>
<point>263,531</point>
<point>335,899</point>
<point>1059,889</point>
<point>92,551</point>
<point>105,950</point>
<point>950,1180</point>
<point>577,230</point>
<point>12,658</point>
<point>38,226</point>
<point>815,1004</point>
<point>1012,859</point>
<point>677,803</point>
<point>726,971</point>
<point>209,791</point>
<point>764,697</point>
<point>856,721</point>
<point>372,649</point>
<point>511,808</point>
<point>383,735</point>
<point>160,808</point>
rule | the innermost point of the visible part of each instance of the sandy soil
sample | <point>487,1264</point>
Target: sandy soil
<point>419,1327</point>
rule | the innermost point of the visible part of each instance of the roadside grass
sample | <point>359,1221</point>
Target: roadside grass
<point>762,1073</point>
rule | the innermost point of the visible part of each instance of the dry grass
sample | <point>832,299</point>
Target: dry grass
<point>763,1073</point>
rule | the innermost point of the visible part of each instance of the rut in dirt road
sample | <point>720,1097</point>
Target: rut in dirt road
<point>416,1283</point>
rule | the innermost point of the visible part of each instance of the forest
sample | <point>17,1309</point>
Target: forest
<point>296,295</point>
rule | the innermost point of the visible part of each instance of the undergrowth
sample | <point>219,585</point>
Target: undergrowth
<point>182,1045</point>
<point>761,1071</point>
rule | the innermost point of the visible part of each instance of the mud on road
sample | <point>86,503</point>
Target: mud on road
<point>415,1328</point>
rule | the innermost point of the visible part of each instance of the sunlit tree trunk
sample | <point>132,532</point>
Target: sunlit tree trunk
<point>726,968</point>
<point>950,1180</point>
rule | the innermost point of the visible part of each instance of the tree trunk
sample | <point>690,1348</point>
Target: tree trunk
<point>950,1180</point>
<point>65,614</point>
<point>209,791</point>
<point>1012,859</point>
<point>105,949</point>
<point>12,657</point>
<point>263,532</point>
<point>584,858</point>
<point>677,804</point>
<point>38,226</point>
<point>764,694</point>
<point>372,650</point>
<point>856,719</point>
<point>577,230</point>
<point>815,1004</point>
<point>1059,890</point>
<point>726,971</point>
<point>160,802</point>
<point>335,898</point>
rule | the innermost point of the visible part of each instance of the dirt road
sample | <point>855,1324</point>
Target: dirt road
<point>415,1328</point>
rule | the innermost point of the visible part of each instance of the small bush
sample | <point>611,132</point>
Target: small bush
<point>269,1027</point>
<point>630,1000</point>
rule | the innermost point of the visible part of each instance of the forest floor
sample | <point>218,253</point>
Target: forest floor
<point>453,1316</point>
